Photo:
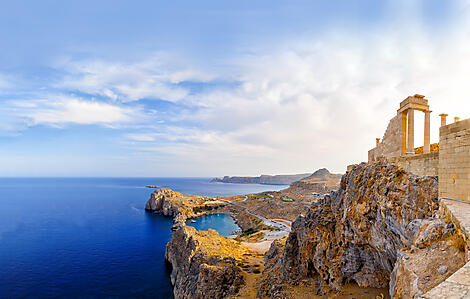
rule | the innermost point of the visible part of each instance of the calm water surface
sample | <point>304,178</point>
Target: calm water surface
<point>90,237</point>
<point>223,223</point>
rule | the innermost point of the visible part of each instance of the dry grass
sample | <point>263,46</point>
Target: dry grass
<point>458,242</point>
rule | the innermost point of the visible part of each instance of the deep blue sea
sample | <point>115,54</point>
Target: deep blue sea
<point>90,237</point>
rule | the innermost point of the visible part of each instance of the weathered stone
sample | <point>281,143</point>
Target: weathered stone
<point>356,234</point>
<point>204,264</point>
<point>442,269</point>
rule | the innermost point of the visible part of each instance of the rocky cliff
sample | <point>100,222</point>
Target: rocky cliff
<point>180,206</point>
<point>166,202</point>
<point>205,264</point>
<point>379,216</point>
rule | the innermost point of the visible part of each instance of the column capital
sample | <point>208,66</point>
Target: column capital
<point>443,119</point>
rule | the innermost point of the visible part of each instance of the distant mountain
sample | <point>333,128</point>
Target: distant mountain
<point>282,179</point>
<point>321,181</point>
<point>321,173</point>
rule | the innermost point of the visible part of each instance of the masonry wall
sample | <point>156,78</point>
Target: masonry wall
<point>391,141</point>
<point>423,165</point>
<point>454,161</point>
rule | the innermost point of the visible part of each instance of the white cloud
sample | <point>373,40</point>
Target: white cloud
<point>312,102</point>
<point>59,110</point>
<point>321,102</point>
<point>152,77</point>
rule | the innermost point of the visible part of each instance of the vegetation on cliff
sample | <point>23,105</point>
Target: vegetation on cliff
<point>373,232</point>
<point>207,265</point>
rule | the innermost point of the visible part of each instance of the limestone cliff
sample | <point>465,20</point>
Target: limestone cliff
<point>165,202</point>
<point>205,264</point>
<point>358,233</point>
<point>181,206</point>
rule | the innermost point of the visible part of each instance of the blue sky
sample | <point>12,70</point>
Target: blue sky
<point>206,88</point>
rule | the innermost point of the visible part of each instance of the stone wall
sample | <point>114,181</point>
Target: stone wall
<point>454,161</point>
<point>422,165</point>
<point>391,141</point>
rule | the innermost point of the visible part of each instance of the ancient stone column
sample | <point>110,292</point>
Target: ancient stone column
<point>443,119</point>
<point>456,119</point>
<point>411,132</point>
<point>403,132</point>
<point>427,132</point>
<point>377,141</point>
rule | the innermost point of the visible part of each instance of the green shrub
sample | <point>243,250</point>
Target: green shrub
<point>259,196</point>
<point>249,231</point>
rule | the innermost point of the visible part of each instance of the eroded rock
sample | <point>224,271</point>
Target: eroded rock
<point>357,234</point>
<point>205,264</point>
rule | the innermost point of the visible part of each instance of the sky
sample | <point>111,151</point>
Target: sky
<point>211,88</point>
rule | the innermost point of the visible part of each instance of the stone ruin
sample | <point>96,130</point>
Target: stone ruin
<point>449,159</point>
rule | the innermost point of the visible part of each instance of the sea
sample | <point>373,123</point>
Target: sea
<point>91,237</point>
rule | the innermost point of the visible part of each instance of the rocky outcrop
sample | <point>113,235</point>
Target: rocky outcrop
<point>180,206</point>
<point>205,264</point>
<point>165,202</point>
<point>435,244</point>
<point>358,233</point>
<point>321,181</point>
<point>263,179</point>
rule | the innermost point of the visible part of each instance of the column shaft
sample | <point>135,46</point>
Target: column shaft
<point>411,131</point>
<point>427,132</point>
<point>403,132</point>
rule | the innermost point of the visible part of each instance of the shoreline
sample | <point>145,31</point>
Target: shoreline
<point>335,239</point>
<point>268,230</point>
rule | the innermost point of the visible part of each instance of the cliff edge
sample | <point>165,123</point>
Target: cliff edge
<point>207,265</point>
<point>373,232</point>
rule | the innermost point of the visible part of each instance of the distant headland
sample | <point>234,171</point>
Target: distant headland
<point>282,179</point>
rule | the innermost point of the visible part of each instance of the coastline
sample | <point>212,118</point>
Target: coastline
<point>269,262</point>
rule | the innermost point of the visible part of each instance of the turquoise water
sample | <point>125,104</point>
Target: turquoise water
<point>222,223</point>
<point>90,237</point>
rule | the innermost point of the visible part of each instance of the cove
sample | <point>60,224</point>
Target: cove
<point>222,223</point>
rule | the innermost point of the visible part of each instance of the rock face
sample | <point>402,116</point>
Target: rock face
<point>204,264</point>
<point>435,243</point>
<point>357,233</point>
<point>179,206</point>
<point>164,202</point>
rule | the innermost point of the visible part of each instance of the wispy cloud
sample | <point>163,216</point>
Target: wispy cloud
<point>320,102</point>
<point>60,110</point>
<point>154,77</point>
<point>290,106</point>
